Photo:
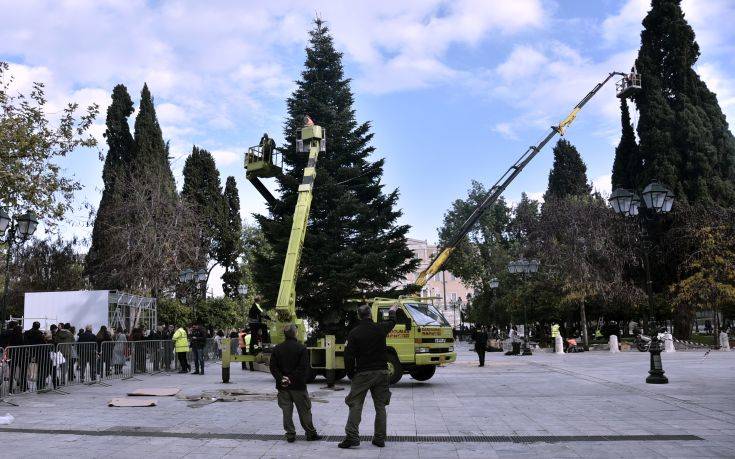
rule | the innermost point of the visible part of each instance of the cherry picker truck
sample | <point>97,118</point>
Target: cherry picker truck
<point>422,339</point>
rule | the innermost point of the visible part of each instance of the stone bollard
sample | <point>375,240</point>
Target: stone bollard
<point>669,343</point>
<point>724,342</point>
<point>558,345</point>
<point>614,344</point>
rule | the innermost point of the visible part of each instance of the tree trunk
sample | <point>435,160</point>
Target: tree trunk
<point>583,316</point>
<point>683,323</point>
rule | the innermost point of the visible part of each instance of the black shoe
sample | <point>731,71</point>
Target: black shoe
<point>347,443</point>
<point>290,439</point>
<point>196,372</point>
<point>379,443</point>
<point>315,437</point>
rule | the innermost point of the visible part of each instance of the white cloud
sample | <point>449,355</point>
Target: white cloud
<point>624,28</point>
<point>227,157</point>
<point>602,184</point>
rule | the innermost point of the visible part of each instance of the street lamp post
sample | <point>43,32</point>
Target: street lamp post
<point>242,291</point>
<point>494,284</point>
<point>657,200</point>
<point>525,268</point>
<point>15,229</point>
<point>193,282</point>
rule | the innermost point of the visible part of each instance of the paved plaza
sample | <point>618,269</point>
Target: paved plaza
<point>593,404</point>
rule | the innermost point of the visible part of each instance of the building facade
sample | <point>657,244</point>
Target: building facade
<point>448,292</point>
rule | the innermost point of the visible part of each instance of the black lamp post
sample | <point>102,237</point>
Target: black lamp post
<point>242,291</point>
<point>194,281</point>
<point>15,229</point>
<point>657,200</point>
<point>494,284</point>
<point>525,268</point>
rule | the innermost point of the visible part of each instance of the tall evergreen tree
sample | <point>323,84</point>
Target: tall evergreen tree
<point>568,176</point>
<point>203,189</point>
<point>685,141</point>
<point>151,152</point>
<point>99,262</point>
<point>353,243</point>
<point>627,163</point>
<point>230,245</point>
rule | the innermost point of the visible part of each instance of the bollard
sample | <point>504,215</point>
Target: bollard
<point>614,349</point>
<point>669,343</point>
<point>558,345</point>
<point>724,342</point>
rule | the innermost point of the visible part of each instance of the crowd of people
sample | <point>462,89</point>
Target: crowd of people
<point>75,354</point>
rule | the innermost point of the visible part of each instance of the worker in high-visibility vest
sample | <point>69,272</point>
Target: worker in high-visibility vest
<point>554,330</point>
<point>241,341</point>
<point>248,338</point>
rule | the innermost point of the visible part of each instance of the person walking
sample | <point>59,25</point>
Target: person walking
<point>481,344</point>
<point>154,347</point>
<point>167,355</point>
<point>366,363</point>
<point>289,364</point>
<point>181,347</point>
<point>198,341</point>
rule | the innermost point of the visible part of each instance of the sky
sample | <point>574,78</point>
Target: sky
<point>455,90</point>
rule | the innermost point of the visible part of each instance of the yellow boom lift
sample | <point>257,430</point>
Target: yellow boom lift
<point>422,339</point>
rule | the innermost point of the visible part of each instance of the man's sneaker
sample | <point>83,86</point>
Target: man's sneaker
<point>347,443</point>
<point>315,437</point>
<point>290,439</point>
<point>379,443</point>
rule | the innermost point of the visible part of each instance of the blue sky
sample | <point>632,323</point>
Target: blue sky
<point>456,90</point>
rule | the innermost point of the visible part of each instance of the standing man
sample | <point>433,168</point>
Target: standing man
<point>289,363</point>
<point>256,319</point>
<point>366,363</point>
<point>481,344</point>
<point>181,347</point>
<point>198,341</point>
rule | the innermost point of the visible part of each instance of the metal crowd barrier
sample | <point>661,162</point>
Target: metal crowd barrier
<point>45,367</point>
<point>29,368</point>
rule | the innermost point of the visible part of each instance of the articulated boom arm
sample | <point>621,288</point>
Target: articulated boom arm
<point>311,137</point>
<point>502,183</point>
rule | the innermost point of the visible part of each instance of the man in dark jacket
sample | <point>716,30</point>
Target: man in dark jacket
<point>87,351</point>
<point>289,364</point>
<point>198,340</point>
<point>366,362</point>
<point>481,344</point>
<point>256,321</point>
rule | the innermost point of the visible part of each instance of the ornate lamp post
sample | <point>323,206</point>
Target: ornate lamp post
<point>494,284</point>
<point>13,229</point>
<point>242,292</point>
<point>193,282</point>
<point>657,200</point>
<point>525,268</point>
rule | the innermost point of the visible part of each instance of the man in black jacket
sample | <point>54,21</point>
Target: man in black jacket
<point>366,363</point>
<point>87,351</point>
<point>481,344</point>
<point>289,364</point>
<point>198,341</point>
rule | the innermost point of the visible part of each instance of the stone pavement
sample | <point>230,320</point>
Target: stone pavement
<point>578,405</point>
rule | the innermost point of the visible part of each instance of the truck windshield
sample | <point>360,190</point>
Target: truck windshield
<point>426,314</point>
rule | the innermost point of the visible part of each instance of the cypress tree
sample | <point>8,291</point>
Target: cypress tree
<point>568,176</point>
<point>230,240</point>
<point>99,265</point>
<point>353,243</point>
<point>627,163</point>
<point>203,190</point>
<point>151,152</point>
<point>685,141</point>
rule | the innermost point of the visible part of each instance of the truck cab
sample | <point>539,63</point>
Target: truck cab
<point>421,340</point>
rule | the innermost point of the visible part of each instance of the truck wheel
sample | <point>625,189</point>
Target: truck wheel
<point>423,372</point>
<point>395,369</point>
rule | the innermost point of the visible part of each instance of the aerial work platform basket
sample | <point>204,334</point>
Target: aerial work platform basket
<point>628,85</point>
<point>263,162</point>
